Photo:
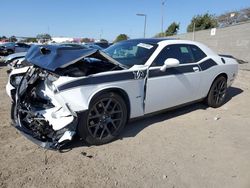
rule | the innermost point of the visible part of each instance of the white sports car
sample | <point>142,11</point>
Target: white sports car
<point>67,91</point>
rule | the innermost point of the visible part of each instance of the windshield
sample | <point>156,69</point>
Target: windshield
<point>131,53</point>
<point>9,44</point>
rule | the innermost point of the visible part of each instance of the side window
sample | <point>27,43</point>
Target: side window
<point>197,53</point>
<point>182,52</point>
<point>25,45</point>
<point>19,45</point>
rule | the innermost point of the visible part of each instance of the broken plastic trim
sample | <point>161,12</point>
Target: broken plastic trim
<point>47,145</point>
<point>29,121</point>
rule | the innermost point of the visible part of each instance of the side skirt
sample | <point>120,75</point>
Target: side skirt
<point>166,110</point>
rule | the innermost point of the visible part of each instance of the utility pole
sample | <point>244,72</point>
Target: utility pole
<point>145,22</point>
<point>194,31</point>
<point>101,34</point>
<point>162,12</point>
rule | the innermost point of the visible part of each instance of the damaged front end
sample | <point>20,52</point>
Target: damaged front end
<point>42,113</point>
<point>39,115</point>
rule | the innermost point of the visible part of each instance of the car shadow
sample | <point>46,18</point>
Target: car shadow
<point>232,92</point>
<point>135,126</point>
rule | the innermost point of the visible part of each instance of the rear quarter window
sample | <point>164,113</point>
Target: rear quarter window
<point>198,54</point>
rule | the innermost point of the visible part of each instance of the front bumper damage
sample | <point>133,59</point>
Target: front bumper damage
<point>54,145</point>
<point>37,113</point>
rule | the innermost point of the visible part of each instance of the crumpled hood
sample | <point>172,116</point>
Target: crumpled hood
<point>51,57</point>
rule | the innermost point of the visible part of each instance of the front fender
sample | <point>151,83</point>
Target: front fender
<point>79,98</point>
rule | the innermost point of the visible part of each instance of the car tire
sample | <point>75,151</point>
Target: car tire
<point>105,119</point>
<point>217,93</point>
<point>13,113</point>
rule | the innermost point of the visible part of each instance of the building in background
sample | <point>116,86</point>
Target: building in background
<point>62,39</point>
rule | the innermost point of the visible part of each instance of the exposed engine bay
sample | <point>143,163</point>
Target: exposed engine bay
<point>85,67</point>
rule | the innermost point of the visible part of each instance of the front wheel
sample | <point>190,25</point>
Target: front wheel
<point>13,113</point>
<point>217,94</point>
<point>104,120</point>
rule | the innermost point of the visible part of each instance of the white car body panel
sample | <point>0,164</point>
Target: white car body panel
<point>173,90</point>
<point>84,94</point>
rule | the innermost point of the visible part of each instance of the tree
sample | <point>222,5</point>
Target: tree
<point>3,38</point>
<point>121,37</point>
<point>201,22</point>
<point>43,37</point>
<point>30,39</point>
<point>172,29</point>
<point>158,35</point>
<point>104,40</point>
<point>86,40</point>
<point>12,39</point>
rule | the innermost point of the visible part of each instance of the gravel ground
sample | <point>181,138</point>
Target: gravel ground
<point>194,146</point>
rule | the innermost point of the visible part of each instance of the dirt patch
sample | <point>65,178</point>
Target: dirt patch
<point>194,146</point>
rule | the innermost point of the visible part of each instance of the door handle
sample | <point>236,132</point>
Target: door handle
<point>196,69</point>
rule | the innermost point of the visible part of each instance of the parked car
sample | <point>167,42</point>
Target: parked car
<point>94,46</point>
<point>94,93</point>
<point>17,60</point>
<point>10,58</point>
<point>12,47</point>
<point>74,45</point>
<point>102,45</point>
<point>3,50</point>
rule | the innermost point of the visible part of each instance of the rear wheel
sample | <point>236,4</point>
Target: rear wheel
<point>104,120</point>
<point>217,94</point>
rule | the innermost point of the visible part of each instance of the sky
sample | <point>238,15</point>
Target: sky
<point>103,18</point>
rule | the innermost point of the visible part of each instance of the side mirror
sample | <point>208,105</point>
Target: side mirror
<point>170,62</point>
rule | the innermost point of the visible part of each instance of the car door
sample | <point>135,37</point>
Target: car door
<point>20,47</point>
<point>176,85</point>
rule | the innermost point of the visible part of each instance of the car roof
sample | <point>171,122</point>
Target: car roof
<point>149,40</point>
<point>7,43</point>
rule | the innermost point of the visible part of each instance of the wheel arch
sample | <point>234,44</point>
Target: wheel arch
<point>221,74</point>
<point>116,90</point>
<point>217,76</point>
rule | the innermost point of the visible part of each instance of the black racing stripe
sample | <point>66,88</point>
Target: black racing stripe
<point>172,71</point>
<point>131,75</point>
<point>207,64</point>
<point>98,80</point>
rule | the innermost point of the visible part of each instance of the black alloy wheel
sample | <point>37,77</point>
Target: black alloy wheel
<point>104,120</point>
<point>217,93</point>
